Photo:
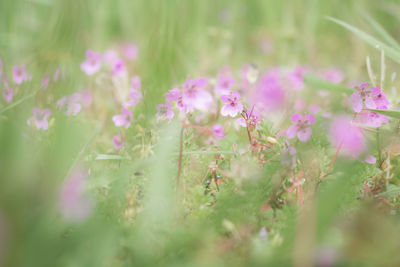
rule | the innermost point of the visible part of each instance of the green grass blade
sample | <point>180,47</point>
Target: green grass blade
<point>16,103</point>
<point>381,31</point>
<point>389,51</point>
<point>321,84</point>
<point>387,112</point>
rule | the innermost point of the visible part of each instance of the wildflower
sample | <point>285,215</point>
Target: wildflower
<point>296,78</point>
<point>348,136</point>
<point>71,104</point>
<point>314,109</point>
<point>194,96</point>
<point>135,95</point>
<point>8,93</point>
<point>130,51</point>
<point>74,205</point>
<point>372,119</point>
<point>269,94</point>
<point>165,111</point>
<point>301,127</point>
<point>379,98</point>
<point>110,57</point>
<point>45,82</point>
<point>92,64</point>
<point>232,106</point>
<point>362,97</point>
<point>124,119</point>
<point>173,95</point>
<point>39,119</point>
<point>224,84</point>
<point>218,131</point>
<point>118,68</point>
<point>370,159</point>
<point>20,75</point>
<point>118,141</point>
<point>252,117</point>
<point>333,75</point>
<point>86,98</point>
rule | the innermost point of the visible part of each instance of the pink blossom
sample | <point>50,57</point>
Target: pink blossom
<point>370,159</point>
<point>110,57</point>
<point>225,83</point>
<point>269,94</point>
<point>299,104</point>
<point>218,131</point>
<point>362,97</point>
<point>74,205</point>
<point>296,78</point>
<point>45,82</point>
<point>118,68</point>
<point>8,93</point>
<point>372,119</point>
<point>118,141</point>
<point>130,51</point>
<point>314,109</point>
<point>194,96</point>
<point>333,75</point>
<point>165,111</point>
<point>232,106</point>
<point>136,84</point>
<point>135,95</point>
<point>253,118</point>
<point>92,64</point>
<point>379,98</point>
<point>86,98</point>
<point>301,127</point>
<point>345,134</point>
<point>39,119</point>
<point>20,74</point>
<point>124,119</point>
<point>173,95</point>
<point>70,104</point>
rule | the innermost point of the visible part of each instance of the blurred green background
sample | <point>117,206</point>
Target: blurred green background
<point>177,40</point>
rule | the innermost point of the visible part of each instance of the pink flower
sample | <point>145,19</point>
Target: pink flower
<point>362,97</point>
<point>70,104</point>
<point>123,119</point>
<point>314,109</point>
<point>74,205</point>
<point>253,118</point>
<point>8,93</point>
<point>225,83</point>
<point>218,131</point>
<point>379,98</point>
<point>118,141</point>
<point>20,75</point>
<point>333,75</point>
<point>348,136</point>
<point>136,84</point>
<point>296,78</point>
<point>92,64</point>
<point>194,96</point>
<point>370,159</point>
<point>269,94</point>
<point>173,95</point>
<point>118,68</point>
<point>130,51</point>
<point>301,127</point>
<point>110,57</point>
<point>371,119</point>
<point>232,106</point>
<point>45,82</point>
<point>165,111</point>
<point>86,98</point>
<point>135,95</point>
<point>39,119</point>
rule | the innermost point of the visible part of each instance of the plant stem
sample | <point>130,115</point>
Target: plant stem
<point>178,176</point>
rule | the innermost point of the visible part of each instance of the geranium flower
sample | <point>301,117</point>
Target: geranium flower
<point>39,118</point>
<point>379,98</point>
<point>74,205</point>
<point>301,127</point>
<point>232,106</point>
<point>345,134</point>
<point>45,82</point>
<point>130,51</point>
<point>71,104</point>
<point>362,97</point>
<point>224,84</point>
<point>218,131</point>
<point>118,141</point>
<point>92,64</point>
<point>8,93</point>
<point>135,95</point>
<point>253,118</point>
<point>372,119</point>
<point>269,94</point>
<point>124,119</point>
<point>20,74</point>
<point>194,96</point>
<point>118,67</point>
<point>110,57</point>
<point>165,111</point>
<point>296,78</point>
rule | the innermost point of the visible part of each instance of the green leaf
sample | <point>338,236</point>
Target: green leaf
<point>381,31</point>
<point>322,84</point>
<point>389,51</point>
<point>387,112</point>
